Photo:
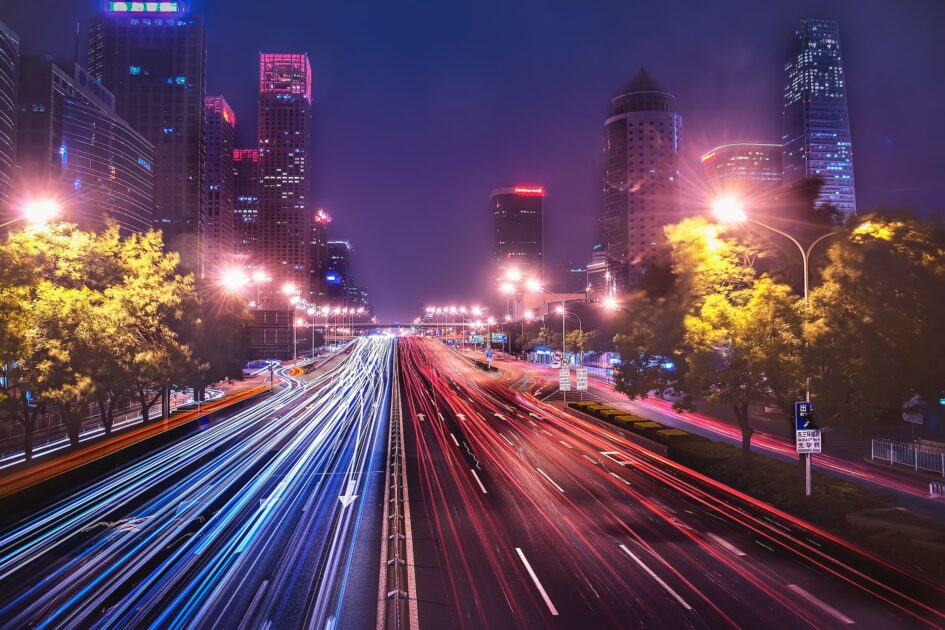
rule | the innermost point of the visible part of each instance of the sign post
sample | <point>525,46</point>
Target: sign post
<point>488,358</point>
<point>807,438</point>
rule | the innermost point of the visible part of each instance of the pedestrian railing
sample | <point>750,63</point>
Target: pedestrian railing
<point>911,454</point>
<point>937,488</point>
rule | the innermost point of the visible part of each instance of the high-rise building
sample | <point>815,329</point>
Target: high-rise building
<point>246,204</point>
<point>285,167</point>
<point>318,255</point>
<point>641,176</point>
<point>9,56</point>
<point>752,168</point>
<point>152,56</point>
<point>221,137</point>
<point>338,270</point>
<point>816,135</point>
<point>517,231</point>
<point>71,143</point>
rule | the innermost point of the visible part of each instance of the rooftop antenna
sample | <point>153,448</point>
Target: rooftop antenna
<point>75,52</point>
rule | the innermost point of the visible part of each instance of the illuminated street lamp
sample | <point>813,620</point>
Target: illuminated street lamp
<point>731,210</point>
<point>38,212</point>
<point>233,280</point>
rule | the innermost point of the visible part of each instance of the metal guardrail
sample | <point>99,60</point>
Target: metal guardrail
<point>395,611</point>
<point>937,488</point>
<point>910,454</point>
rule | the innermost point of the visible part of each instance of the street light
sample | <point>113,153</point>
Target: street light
<point>731,210</point>
<point>233,280</point>
<point>37,212</point>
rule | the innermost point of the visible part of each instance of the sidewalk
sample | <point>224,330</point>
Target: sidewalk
<point>25,475</point>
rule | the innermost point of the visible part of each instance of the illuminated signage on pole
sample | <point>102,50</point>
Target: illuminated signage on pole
<point>144,7</point>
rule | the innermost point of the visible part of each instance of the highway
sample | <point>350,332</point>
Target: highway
<point>525,516</point>
<point>268,518</point>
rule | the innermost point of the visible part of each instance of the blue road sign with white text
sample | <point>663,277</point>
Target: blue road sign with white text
<point>804,415</point>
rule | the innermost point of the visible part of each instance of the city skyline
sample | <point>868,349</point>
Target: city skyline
<point>722,101</point>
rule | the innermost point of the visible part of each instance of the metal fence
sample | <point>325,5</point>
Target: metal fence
<point>915,456</point>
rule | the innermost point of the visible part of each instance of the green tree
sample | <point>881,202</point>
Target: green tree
<point>875,331</point>
<point>745,348</point>
<point>580,340</point>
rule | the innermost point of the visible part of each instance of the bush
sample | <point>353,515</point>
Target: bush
<point>699,455</point>
<point>675,436</point>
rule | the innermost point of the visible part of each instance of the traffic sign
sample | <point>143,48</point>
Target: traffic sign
<point>914,417</point>
<point>489,354</point>
<point>808,440</point>
<point>565,360</point>
<point>499,337</point>
<point>581,374</point>
<point>555,365</point>
<point>564,379</point>
<point>556,356</point>
<point>803,415</point>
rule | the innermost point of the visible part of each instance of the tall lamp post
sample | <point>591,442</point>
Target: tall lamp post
<point>730,210</point>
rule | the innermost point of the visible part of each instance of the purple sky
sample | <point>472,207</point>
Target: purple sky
<point>422,108</point>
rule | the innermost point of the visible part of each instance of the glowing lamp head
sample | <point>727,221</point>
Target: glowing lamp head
<point>491,321</point>
<point>610,303</point>
<point>233,279</point>
<point>462,309</point>
<point>259,276</point>
<point>729,210</point>
<point>294,300</point>
<point>477,311</point>
<point>310,311</point>
<point>529,316</point>
<point>41,211</point>
<point>288,288</point>
<point>559,310</point>
<point>452,310</point>
<point>508,318</point>
<point>507,287</point>
<point>513,275</point>
<point>300,322</point>
<point>533,285</point>
<point>360,310</point>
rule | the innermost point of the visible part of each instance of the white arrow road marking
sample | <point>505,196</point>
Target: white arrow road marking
<point>541,589</point>
<point>726,545</point>
<point>499,416</point>
<point>462,417</point>
<point>657,578</point>
<point>421,417</point>
<point>827,608</point>
<point>534,415</point>
<point>479,481</point>
<point>550,480</point>
<point>348,498</point>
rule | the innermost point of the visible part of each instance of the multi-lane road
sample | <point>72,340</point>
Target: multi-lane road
<point>525,516</point>
<point>259,520</point>
<point>518,515</point>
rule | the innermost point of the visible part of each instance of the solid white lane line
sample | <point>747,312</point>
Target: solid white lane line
<point>827,608</point>
<point>479,481</point>
<point>550,480</point>
<point>502,435</point>
<point>589,458</point>
<point>726,545</point>
<point>440,415</point>
<point>455,441</point>
<point>657,578</point>
<point>565,443</point>
<point>541,589</point>
<point>620,479</point>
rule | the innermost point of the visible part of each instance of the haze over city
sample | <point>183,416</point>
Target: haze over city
<point>487,315</point>
<point>421,109</point>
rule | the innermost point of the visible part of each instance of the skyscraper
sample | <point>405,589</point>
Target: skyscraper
<point>641,176</point>
<point>221,136</point>
<point>318,255</point>
<point>517,231</point>
<point>816,135</point>
<point>72,144</point>
<point>338,271</point>
<point>152,56</point>
<point>284,227</point>
<point>246,204</point>
<point>749,167</point>
<point>9,55</point>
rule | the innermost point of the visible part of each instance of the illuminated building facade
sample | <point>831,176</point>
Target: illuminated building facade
<point>246,204</point>
<point>318,256</point>
<point>153,58</point>
<point>816,134</point>
<point>221,138</point>
<point>338,271</point>
<point>285,167</point>
<point>517,231</point>
<point>69,139</point>
<point>641,176</point>
<point>9,62</point>
<point>748,167</point>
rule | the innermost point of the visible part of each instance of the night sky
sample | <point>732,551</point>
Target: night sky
<point>422,108</point>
